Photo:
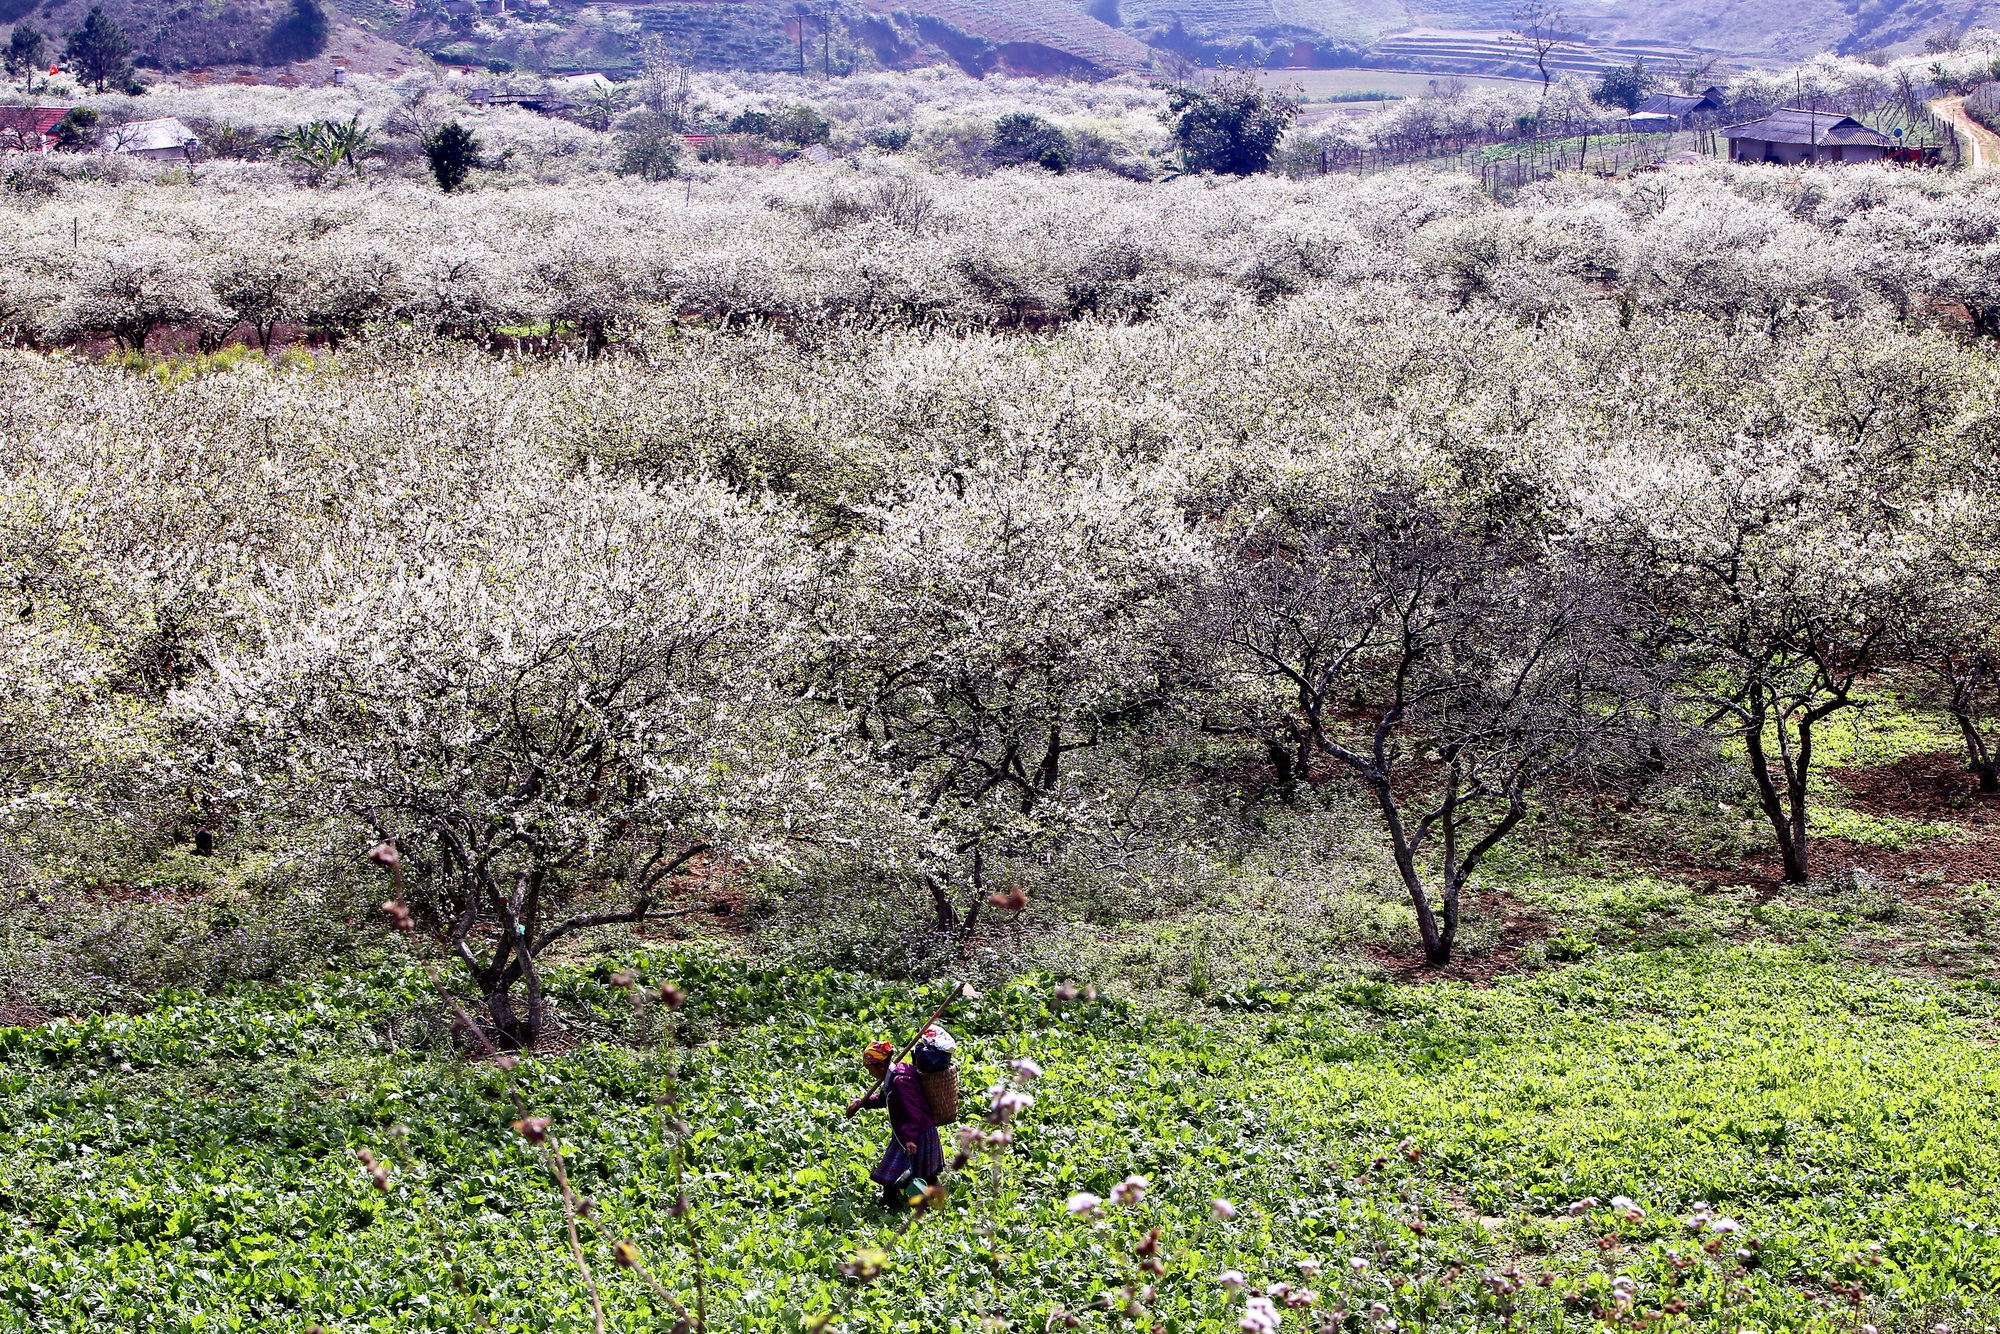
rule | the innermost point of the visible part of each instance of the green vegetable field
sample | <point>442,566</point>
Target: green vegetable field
<point>195,1167</point>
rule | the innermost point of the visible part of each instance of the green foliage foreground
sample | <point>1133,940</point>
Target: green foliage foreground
<point>194,1168</point>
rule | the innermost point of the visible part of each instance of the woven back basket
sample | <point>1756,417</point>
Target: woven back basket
<point>941,1092</point>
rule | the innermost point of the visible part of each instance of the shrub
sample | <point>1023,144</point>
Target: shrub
<point>1623,86</point>
<point>800,125</point>
<point>300,35</point>
<point>77,130</point>
<point>1022,138</point>
<point>1232,126</point>
<point>181,921</point>
<point>452,152</point>
<point>324,146</point>
<point>649,148</point>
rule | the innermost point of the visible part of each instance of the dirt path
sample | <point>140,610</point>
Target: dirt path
<point>1984,145</point>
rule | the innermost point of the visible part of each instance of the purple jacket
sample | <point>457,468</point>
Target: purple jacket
<point>909,1109</point>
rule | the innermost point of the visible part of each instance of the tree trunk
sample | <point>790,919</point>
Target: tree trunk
<point>514,1031</point>
<point>1795,788</point>
<point>1791,850</point>
<point>1050,768</point>
<point>1437,940</point>
<point>1978,755</point>
<point>1281,760</point>
<point>978,895</point>
<point>1448,930</point>
<point>947,912</point>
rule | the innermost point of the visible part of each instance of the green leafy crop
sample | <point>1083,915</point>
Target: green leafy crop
<point>193,1167</point>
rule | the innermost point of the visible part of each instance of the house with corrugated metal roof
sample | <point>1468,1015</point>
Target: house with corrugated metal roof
<point>1792,135</point>
<point>163,140</point>
<point>1687,109</point>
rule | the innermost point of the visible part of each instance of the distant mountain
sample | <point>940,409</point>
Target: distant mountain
<point>1079,37</point>
<point>1025,36</point>
<point>1791,29</point>
<point>1379,31</point>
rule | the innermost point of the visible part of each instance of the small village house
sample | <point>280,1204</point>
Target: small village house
<point>162,140</point>
<point>30,129</point>
<point>1687,110</point>
<point>1792,136</point>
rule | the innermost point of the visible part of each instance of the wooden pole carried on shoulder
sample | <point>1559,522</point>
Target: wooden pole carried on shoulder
<point>957,989</point>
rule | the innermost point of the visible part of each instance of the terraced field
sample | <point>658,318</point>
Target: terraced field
<point>741,34</point>
<point>1469,52</point>
<point>1205,17</point>
<point>1049,24</point>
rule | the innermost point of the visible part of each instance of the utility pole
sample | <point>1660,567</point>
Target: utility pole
<point>1812,115</point>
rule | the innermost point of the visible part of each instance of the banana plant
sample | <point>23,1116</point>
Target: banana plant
<point>322,147</point>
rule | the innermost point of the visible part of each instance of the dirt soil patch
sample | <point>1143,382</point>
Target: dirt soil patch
<point>1934,786</point>
<point>20,1014</point>
<point>1520,925</point>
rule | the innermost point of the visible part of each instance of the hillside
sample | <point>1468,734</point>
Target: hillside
<point>1023,36</point>
<point>164,33</point>
<point>176,35</point>
<point>1790,29</point>
<point>1469,35</point>
<point>1087,38</point>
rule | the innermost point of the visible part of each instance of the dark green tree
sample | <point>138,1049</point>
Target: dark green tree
<point>1623,86</point>
<point>99,52</point>
<point>25,50</point>
<point>452,151</point>
<point>77,130</point>
<point>1232,126</point>
<point>650,147</point>
<point>800,125</point>
<point>1021,138</point>
<point>300,35</point>
<point>751,122</point>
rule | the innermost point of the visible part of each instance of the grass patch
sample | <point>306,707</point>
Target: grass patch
<point>193,1167</point>
<point>1884,729</point>
<point>1878,831</point>
<point>1627,910</point>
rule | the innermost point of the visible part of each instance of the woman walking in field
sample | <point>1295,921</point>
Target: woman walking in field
<point>915,1154</point>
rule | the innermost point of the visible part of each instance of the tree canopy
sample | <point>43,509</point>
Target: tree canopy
<point>300,34</point>
<point>99,51</point>
<point>1230,126</point>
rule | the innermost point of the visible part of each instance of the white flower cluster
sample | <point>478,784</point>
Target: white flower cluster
<point>914,595</point>
<point>881,239</point>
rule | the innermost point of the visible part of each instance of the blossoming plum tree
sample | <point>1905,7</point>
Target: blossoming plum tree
<point>995,630</point>
<point>574,704</point>
<point>1452,647</point>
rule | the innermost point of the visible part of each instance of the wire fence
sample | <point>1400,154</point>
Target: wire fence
<point>1505,164</point>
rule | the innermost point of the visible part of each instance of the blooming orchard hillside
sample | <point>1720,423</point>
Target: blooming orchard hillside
<point>174,528</point>
<point>878,240</point>
<point>507,690</point>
